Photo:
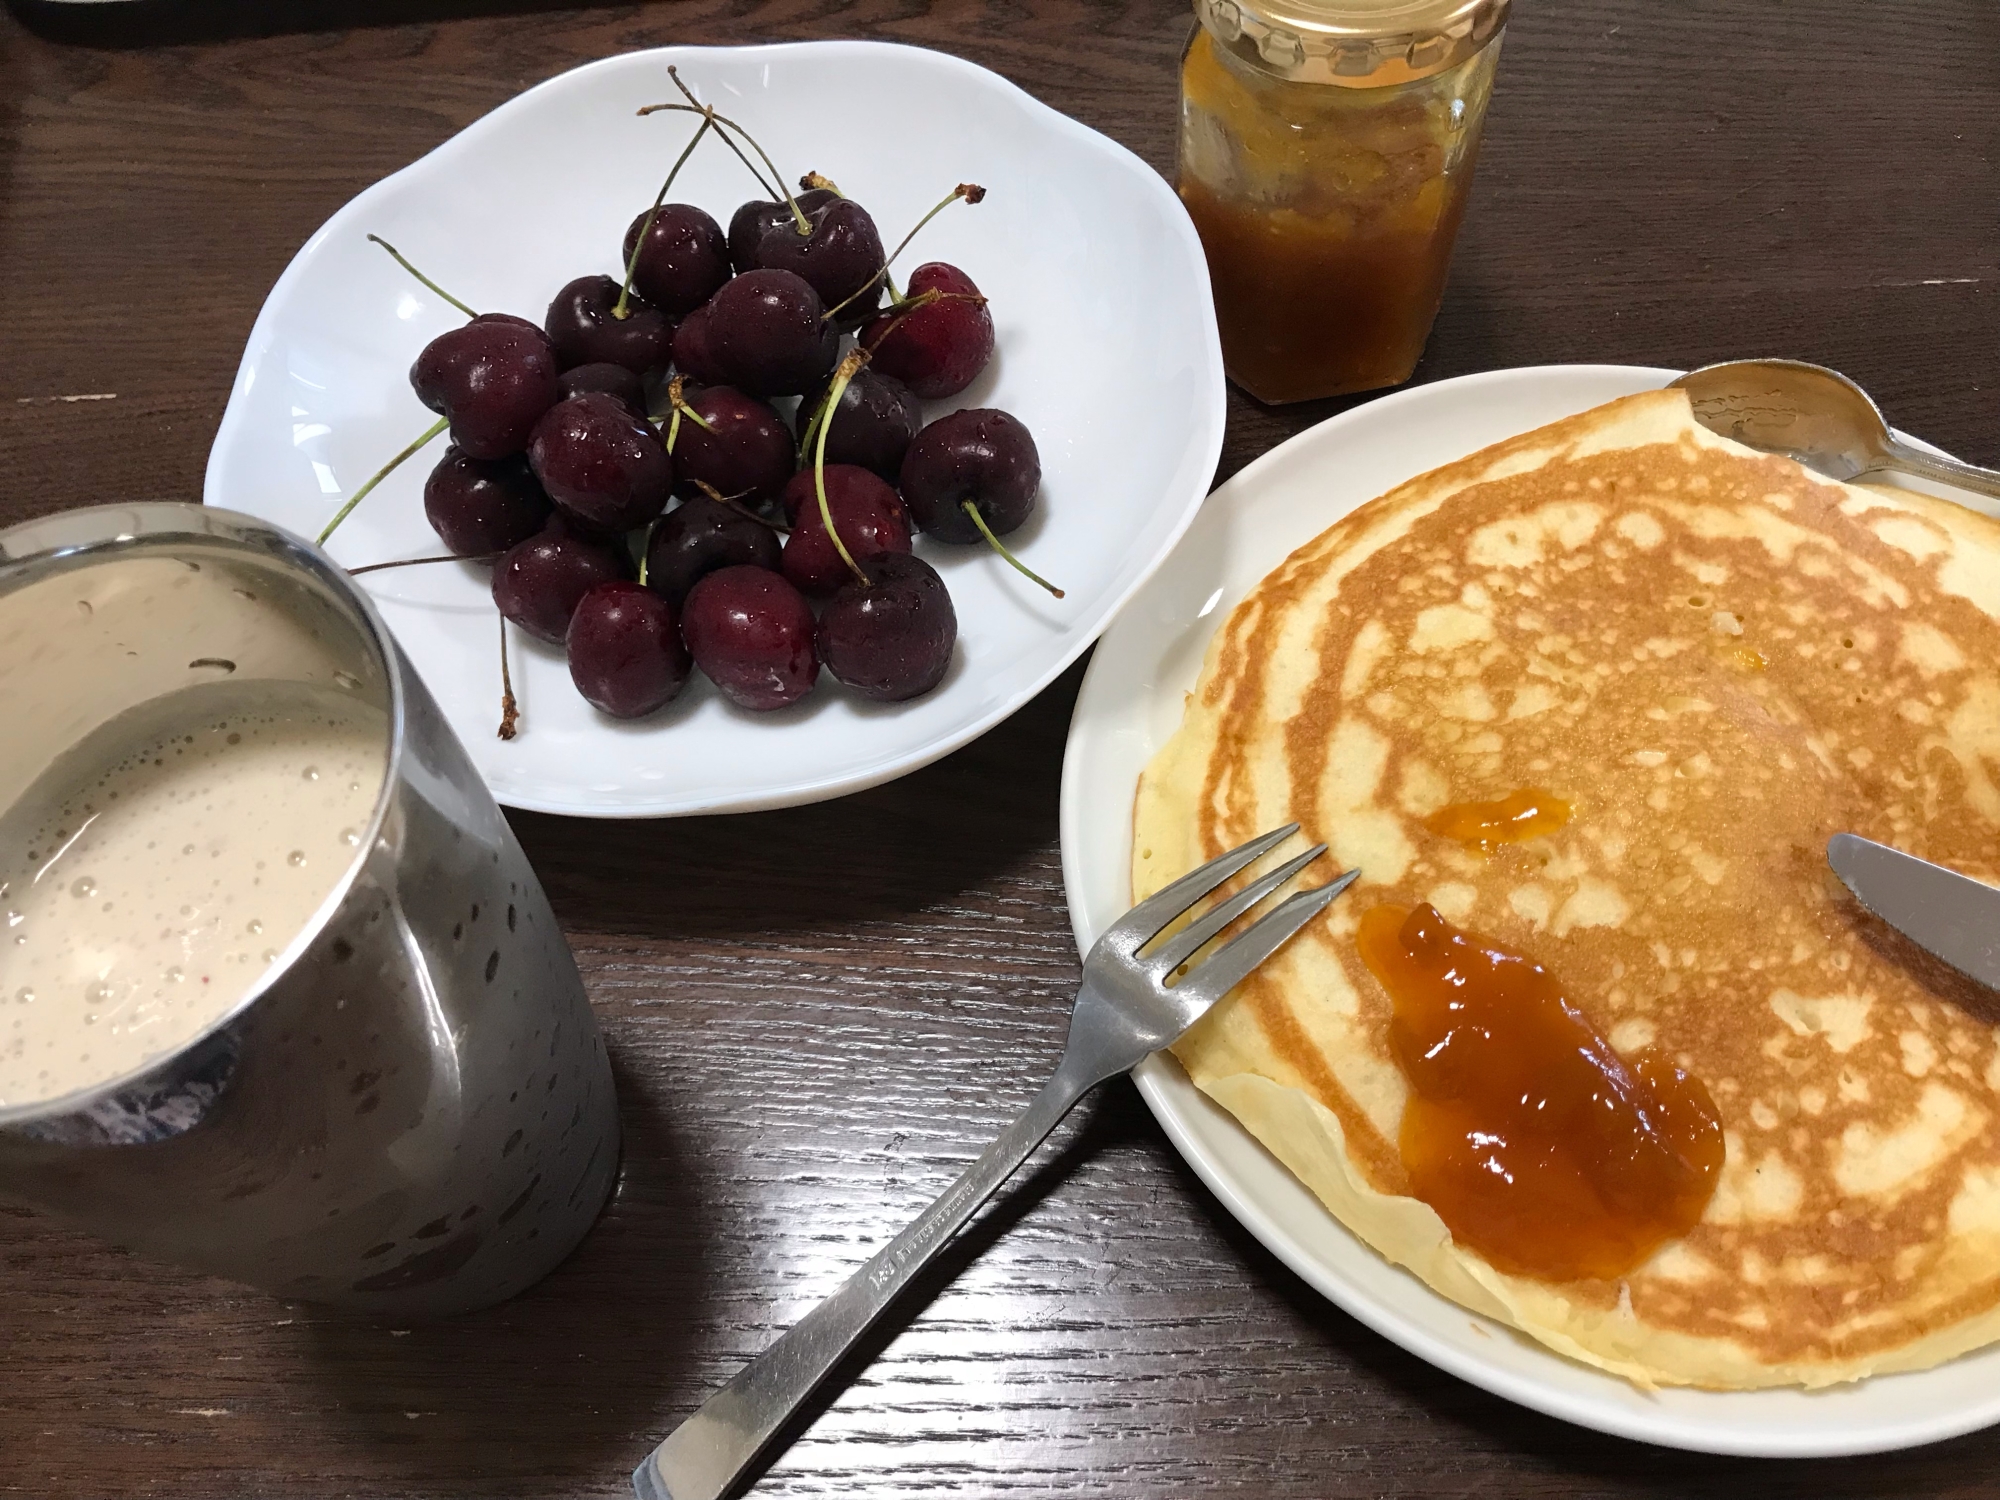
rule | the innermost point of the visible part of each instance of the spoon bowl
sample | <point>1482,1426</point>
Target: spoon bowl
<point>1819,417</point>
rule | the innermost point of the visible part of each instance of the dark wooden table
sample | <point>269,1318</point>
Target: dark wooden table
<point>818,1015</point>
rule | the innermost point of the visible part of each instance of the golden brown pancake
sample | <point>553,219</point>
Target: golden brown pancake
<point>1719,659</point>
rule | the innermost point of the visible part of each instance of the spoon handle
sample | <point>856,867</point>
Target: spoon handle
<point>1944,470</point>
<point>705,1457</point>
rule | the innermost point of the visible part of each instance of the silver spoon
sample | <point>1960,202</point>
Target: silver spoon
<point>1819,417</point>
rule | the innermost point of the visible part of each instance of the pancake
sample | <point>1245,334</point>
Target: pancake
<point>1718,659</point>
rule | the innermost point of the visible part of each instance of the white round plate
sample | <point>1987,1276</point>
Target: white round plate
<point>1106,349</point>
<point>1129,706</point>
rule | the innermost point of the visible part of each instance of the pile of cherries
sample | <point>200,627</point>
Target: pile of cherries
<point>642,497</point>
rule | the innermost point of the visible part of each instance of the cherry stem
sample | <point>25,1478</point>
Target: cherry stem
<point>995,543</point>
<point>855,359</point>
<point>916,304</point>
<point>763,183</point>
<point>646,550</point>
<point>381,474</point>
<point>735,503</point>
<point>510,711</point>
<point>903,309</point>
<point>811,431</point>
<point>412,562</point>
<point>422,277</point>
<point>622,308</point>
<point>798,214</point>
<point>971,192</point>
<point>816,180</point>
<point>676,407</point>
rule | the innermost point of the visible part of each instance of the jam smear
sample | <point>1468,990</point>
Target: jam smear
<point>1538,1145</point>
<point>1527,814</point>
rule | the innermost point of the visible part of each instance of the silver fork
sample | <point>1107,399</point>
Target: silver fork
<point>1125,1011</point>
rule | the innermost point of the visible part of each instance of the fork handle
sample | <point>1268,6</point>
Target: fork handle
<point>704,1457</point>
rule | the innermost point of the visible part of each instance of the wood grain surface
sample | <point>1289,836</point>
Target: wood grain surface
<point>818,1015</point>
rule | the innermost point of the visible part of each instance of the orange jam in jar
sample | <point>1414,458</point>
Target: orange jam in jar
<point>1539,1146</point>
<point>1326,148</point>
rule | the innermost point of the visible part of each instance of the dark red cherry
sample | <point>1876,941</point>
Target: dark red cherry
<point>625,650</point>
<point>872,425</point>
<point>745,453</point>
<point>479,506</point>
<point>492,378</point>
<point>752,634</point>
<point>612,380</point>
<point>841,255</point>
<point>694,353</point>
<point>981,455</point>
<point>538,582</point>
<point>748,226</point>
<point>684,260</point>
<point>866,512</point>
<point>700,535</point>
<point>768,333</point>
<point>939,348</point>
<point>600,464</point>
<point>585,331</point>
<point>891,638</point>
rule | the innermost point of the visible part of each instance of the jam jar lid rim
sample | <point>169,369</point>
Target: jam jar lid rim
<point>1354,42</point>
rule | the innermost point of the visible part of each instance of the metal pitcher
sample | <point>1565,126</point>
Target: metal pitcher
<point>411,1112</point>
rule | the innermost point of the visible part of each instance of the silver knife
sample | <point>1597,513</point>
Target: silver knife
<point>1949,914</point>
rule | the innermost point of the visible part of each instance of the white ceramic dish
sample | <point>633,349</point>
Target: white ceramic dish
<point>1130,704</point>
<point>1106,349</point>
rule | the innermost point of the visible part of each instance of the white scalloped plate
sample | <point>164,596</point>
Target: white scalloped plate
<point>1107,350</point>
<point>1131,703</point>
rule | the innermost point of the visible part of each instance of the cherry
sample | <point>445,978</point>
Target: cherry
<point>694,349</point>
<point>537,583</point>
<point>483,505</point>
<point>625,651</point>
<point>744,452</point>
<point>865,510</point>
<point>936,347</point>
<point>890,638</point>
<point>769,335</point>
<point>491,379</point>
<point>684,260</point>
<point>983,457</point>
<point>751,223</point>
<point>586,330</point>
<point>613,380</point>
<point>752,634</point>
<point>841,257</point>
<point>872,426</point>
<point>600,464</point>
<point>699,536</point>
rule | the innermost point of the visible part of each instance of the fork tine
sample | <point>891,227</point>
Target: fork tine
<point>1266,936</point>
<point>1187,942</point>
<point>1144,922</point>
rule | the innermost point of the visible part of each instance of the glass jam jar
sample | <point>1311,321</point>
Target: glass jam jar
<point>1326,149</point>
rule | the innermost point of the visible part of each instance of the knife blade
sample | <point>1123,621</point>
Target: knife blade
<point>1948,914</point>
